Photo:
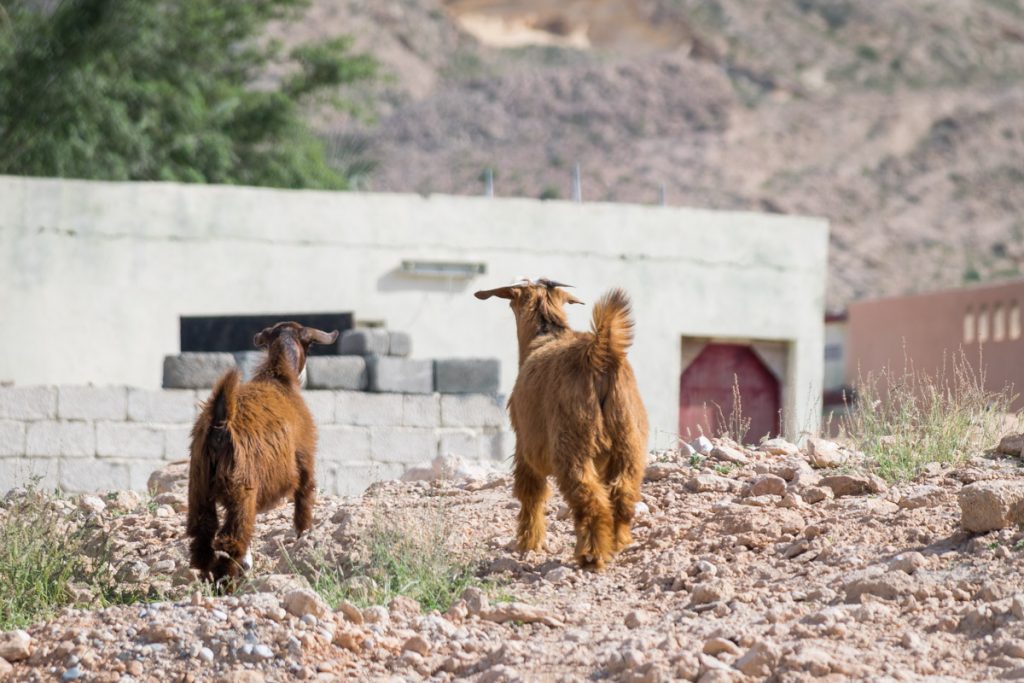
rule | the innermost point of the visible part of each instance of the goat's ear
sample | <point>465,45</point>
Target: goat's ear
<point>260,340</point>
<point>500,292</point>
<point>569,298</point>
<point>311,335</point>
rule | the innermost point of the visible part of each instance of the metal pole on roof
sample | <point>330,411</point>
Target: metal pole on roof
<point>577,185</point>
<point>663,199</point>
<point>488,182</point>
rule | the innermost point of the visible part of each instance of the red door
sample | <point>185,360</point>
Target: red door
<point>706,393</point>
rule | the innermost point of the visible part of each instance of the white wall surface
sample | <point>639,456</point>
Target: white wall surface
<point>93,275</point>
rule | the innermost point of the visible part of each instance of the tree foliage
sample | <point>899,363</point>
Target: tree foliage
<point>164,90</point>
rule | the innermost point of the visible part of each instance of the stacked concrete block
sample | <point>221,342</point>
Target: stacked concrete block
<point>399,344</point>
<point>336,372</point>
<point>195,370</point>
<point>102,438</point>
<point>365,341</point>
<point>467,375</point>
<point>400,375</point>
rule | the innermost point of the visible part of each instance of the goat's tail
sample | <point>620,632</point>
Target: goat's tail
<point>211,443</point>
<point>612,329</point>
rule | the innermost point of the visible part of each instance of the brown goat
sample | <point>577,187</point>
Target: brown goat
<point>252,445</point>
<point>577,414</point>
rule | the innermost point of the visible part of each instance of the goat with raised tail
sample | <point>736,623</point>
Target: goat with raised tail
<point>577,415</point>
<point>252,445</point>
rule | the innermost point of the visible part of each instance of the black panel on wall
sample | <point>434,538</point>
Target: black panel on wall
<point>235,332</point>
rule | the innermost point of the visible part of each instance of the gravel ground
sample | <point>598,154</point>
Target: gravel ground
<point>734,575</point>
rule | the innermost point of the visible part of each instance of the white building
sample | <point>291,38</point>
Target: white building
<point>94,275</point>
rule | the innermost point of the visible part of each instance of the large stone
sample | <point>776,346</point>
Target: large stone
<point>703,483</point>
<point>196,370</point>
<point>823,453</point>
<point>924,496</point>
<point>336,372</point>
<point>364,342</point>
<point>778,446</point>
<point>767,484</point>
<point>992,504</point>
<point>848,484</point>
<point>172,478</point>
<point>467,375</point>
<point>15,645</point>
<point>1011,444</point>
<point>303,601</point>
<point>726,453</point>
<point>400,375</point>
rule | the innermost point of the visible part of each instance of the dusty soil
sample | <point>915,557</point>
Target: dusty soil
<point>719,585</point>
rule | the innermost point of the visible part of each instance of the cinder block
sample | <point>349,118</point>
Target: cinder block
<point>139,472</point>
<point>177,443</point>
<point>399,344</point>
<point>467,375</point>
<point>92,403</point>
<point>168,406</point>
<point>343,444</point>
<point>129,440</point>
<point>12,438</point>
<point>80,476</point>
<point>336,372</point>
<point>75,439</point>
<point>472,410</point>
<point>400,375</point>
<point>248,361</point>
<point>195,370</point>
<point>16,472</point>
<point>421,410</point>
<point>463,442</point>
<point>406,445</point>
<point>498,445</point>
<point>358,408</point>
<point>364,342</point>
<point>28,403</point>
<point>321,406</point>
<point>351,479</point>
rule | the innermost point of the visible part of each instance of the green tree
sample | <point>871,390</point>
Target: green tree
<point>164,90</point>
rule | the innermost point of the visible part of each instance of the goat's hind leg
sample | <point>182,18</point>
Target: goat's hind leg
<point>233,541</point>
<point>531,489</point>
<point>623,477</point>
<point>585,492</point>
<point>305,494</point>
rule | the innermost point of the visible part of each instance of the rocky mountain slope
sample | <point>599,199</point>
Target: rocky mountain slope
<point>900,122</point>
<point>750,565</point>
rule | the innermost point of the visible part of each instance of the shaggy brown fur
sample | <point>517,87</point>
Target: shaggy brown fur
<point>252,445</point>
<point>577,415</point>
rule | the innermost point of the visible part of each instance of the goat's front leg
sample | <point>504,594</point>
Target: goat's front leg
<point>201,526</point>
<point>232,543</point>
<point>531,490</point>
<point>305,493</point>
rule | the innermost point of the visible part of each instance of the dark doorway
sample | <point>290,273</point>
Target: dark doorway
<point>706,392</point>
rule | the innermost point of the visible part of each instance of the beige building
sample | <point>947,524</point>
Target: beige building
<point>95,275</point>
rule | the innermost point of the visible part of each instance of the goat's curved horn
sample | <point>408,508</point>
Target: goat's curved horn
<point>551,283</point>
<point>314,336</point>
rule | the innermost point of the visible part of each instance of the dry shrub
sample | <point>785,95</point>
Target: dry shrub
<point>904,420</point>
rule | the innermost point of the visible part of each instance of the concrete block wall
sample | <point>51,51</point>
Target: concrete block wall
<point>89,438</point>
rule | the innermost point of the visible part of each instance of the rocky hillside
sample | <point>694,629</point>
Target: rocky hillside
<point>749,565</point>
<point>900,122</point>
